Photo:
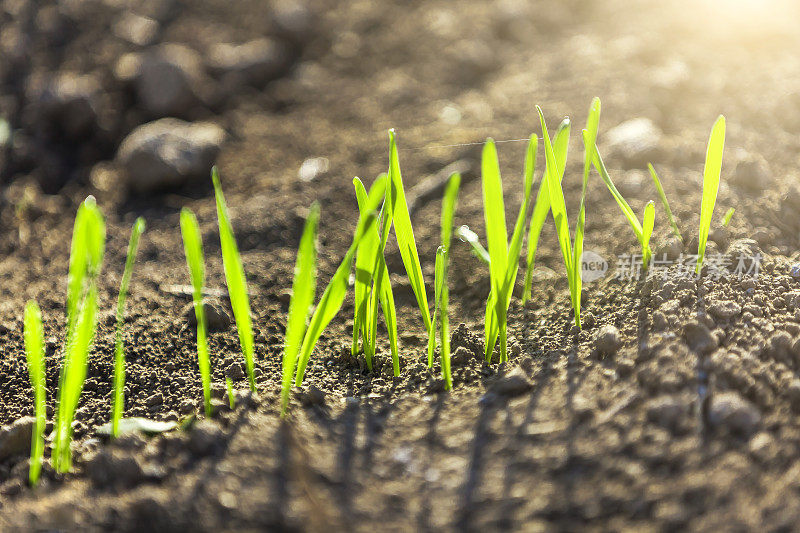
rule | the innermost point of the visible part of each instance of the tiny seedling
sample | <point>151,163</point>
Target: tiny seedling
<point>664,202</point>
<point>34,352</point>
<point>470,237</point>
<point>303,287</point>
<point>373,284</point>
<point>711,174</point>
<point>504,257</point>
<point>440,281</point>
<point>86,259</point>
<point>726,220</point>
<point>193,248</point>
<point>229,388</point>
<point>235,279</point>
<point>119,349</point>
<point>333,297</point>
<point>542,206</point>
<point>405,239</point>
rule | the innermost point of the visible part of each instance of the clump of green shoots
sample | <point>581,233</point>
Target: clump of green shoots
<point>711,174</point>
<point>542,205</point>
<point>119,350</point>
<point>405,239</point>
<point>34,353</point>
<point>193,248</point>
<point>235,279</point>
<point>373,285</point>
<point>303,287</point>
<point>664,202</point>
<point>571,252</point>
<point>86,258</point>
<point>440,313</point>
<point>332,298</point>
<point>503,262</point>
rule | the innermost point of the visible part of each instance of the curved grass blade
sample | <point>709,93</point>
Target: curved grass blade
<point>34,353</point>
<point>542,207</point>
<point>711,173</point>
<point>303,287</point>
<point>728,216</point>
<point>193,248</point>
<point>235,279</point>
<point>333,297</point>
<point>470,237</point>
<point>119,350</point>
<point>648,221</point>
<point>664,202</point>
<point>405,236</point>
<point>367,263</point>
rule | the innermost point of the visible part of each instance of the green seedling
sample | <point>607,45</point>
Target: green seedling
<point>405,239</point>
<point>470,237</point>
<point>542,205</point>
<point>664,202</point>
<point>86,259</point>
<point>229,388</point>
<point>726,220</point>
<point>372,278</point>
<point>303,287</point>
<point>643,230</point>
<point>34,353</point>
<point>711,174</point>
<point>193,248</point>
<point>119,349</point>
<point>504,257</point>
<point>333,297</point>
<point>441,296</point>
<point>235,279</point>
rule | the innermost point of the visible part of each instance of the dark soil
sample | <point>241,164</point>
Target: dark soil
<point>686,420</point>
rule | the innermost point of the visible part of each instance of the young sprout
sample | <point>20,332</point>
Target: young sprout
<point>405,239</point>
<point>193,248</point>
<point>711,173</point>
<point>726,220</point>
<point>235,279</point>
<point>229,388</point>
<point>440,282</point>
<point>303,287</point>
<point>372,277</point>
<point>86,258</point>
<point>333,297</point>
<point>664,202</point>
<point>640,229</point>
<point>119,350</point>
<point>34,353</point>
<point>542,205</point>
<point>470,237</point>
<point>504,257</point>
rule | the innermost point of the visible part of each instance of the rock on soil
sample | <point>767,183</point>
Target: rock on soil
<point>730,411</point>
<point>666,411</point>
<point>635,141</point>
<point>724,309</point>
<point>113,467</point>
<point>217,317</point>
<point>206,438</point>
<point>699,337</point>
<point>256,62</point>
<point>752,172</point>
<point>15,438</point>
<point>514,383</point>
<point>168,80</point>
<point>608,340</point>
<point>169,153</point>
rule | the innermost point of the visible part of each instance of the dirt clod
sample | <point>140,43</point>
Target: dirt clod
<point>15,438</point>
<point>513,383</point>
<point>608,340</point>
<point>732,412</point>
<point>217,317</point>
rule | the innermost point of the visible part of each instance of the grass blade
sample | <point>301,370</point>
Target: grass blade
<point>235,279</point>
<point>648,221</point>
<point>405,237</point>
<point>449,202</point>
<point>333,297</point>
<point>119,350</point>
<point>34,353</point>
<point>728,216</point>
<point>664,202</point>
<point>193,248</point>
<point>303,287</point>
<point>365,293</point>
<point>711,174</point>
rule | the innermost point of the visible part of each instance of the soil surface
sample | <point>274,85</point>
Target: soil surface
<point>674,408</point>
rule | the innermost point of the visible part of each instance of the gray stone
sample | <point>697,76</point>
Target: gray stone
<point>70,101</point>
<point>217,317</point>
<point>234,371</point>
<point>513,383</point>
<point>730,411</point>
<point>169,153</point>
<point>608,340</point>
<point>15,438</point>
<point>169,79</point>
<point>256,62</point>
<point>635,142</point>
